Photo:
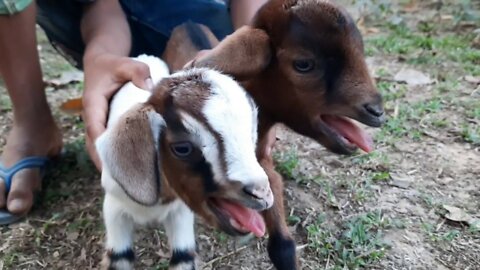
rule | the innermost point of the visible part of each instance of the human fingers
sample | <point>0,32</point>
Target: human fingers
<point>134,71</point>
<point>92,151</point>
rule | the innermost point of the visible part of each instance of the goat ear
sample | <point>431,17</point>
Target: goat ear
<point>242,54</point>
<point>130,153</point>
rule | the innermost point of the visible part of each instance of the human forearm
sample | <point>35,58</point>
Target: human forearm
<point>105,29</point>
<point>242,11</point>
<point>106,64</point>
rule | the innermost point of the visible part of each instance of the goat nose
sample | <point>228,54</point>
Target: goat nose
<point>376,109</point>
<point>255,191</point>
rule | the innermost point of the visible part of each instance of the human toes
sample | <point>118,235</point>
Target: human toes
<point>20,197</point>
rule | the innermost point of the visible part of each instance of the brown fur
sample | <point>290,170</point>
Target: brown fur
<point>132,169</point>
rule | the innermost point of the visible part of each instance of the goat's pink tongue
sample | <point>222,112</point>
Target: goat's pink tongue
<point>350,131</point>
<point>246,217</point>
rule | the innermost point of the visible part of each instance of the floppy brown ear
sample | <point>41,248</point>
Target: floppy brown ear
<point>242,54</point>
<point>130,154</point>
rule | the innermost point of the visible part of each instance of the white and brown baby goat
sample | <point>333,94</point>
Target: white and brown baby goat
<point>188,145</point>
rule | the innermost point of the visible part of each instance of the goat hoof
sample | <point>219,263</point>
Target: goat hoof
<point>118,260</point>
<point>282,252</point>
<point>182,260</point>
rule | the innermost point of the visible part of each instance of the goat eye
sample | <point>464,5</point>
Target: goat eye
<point>303,66</point>
<point>181,149</point>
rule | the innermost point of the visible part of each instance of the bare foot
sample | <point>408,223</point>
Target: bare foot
<point>38,138</point>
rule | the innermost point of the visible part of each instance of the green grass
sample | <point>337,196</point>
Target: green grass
<point>293,220</point>
<point>420,48</point>
<point>77,152</point>
<point>220,236</point>
<point>438,236</point>
<point>10,259</point>
<point>287,163</point>
<point>474,113</point>
<point>471,133</point>
<point>5,103</point>
<point>359,244</point>
<point>162,266</point>
<point>328,190</point>
<point>381,176</point>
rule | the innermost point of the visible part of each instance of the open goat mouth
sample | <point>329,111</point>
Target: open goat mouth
<point>346,134</point>
<point>236,219</point>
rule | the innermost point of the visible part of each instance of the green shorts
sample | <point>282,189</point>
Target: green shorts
<point>10,7</point>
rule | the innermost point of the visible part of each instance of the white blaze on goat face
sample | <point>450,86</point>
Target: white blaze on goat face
<point>232,115</point>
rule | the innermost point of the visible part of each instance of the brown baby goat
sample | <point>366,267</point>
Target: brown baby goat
<point>303,63</point>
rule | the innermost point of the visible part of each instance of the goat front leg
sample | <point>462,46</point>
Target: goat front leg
<point>119,227</point>
<point>179,226</point>
<point>281,246</point>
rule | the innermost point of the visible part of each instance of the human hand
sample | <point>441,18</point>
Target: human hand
<point>105,74</point>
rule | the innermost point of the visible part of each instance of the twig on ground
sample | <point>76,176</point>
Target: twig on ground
<point>209,263</point>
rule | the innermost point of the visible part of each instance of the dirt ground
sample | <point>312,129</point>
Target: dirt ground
<point>413,203</point>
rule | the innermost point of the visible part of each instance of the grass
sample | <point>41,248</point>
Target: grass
<point>438,236</point>
<point>10,259</point>
<point>358,244</point>
<point>430,113</point>
<point>5,103</point>
<point>78,153</point>
<point>287,163</point>
<point>381,176</point>
<point>420,48</point>
<point>475,112</point>
<point>328,190</point>
<point>404,117</point>
<point>471,133</point>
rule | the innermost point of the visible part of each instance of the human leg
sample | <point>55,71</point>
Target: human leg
<point>34,132</point>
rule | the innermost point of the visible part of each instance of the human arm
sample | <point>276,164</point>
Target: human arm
<point>107,67</point>
<point>242,11</point>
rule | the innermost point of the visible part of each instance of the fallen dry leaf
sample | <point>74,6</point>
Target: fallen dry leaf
<point>72,236</point>
<point>72,106</point>
<point>412,6</point>
<point>412,77</point>
<point>458,215</point>
<point>400,180</point>
<point>472,79</point>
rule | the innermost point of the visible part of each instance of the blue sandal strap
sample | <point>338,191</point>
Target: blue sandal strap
<point>26,163</point>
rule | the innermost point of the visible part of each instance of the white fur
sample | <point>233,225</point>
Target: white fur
<point>208,142</point>
<point>231,114</point>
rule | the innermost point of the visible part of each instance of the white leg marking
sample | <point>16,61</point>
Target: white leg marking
<point>119,228</point>
<point>179,226</point>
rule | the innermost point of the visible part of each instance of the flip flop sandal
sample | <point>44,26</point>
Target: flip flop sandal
<point>7,174</point>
